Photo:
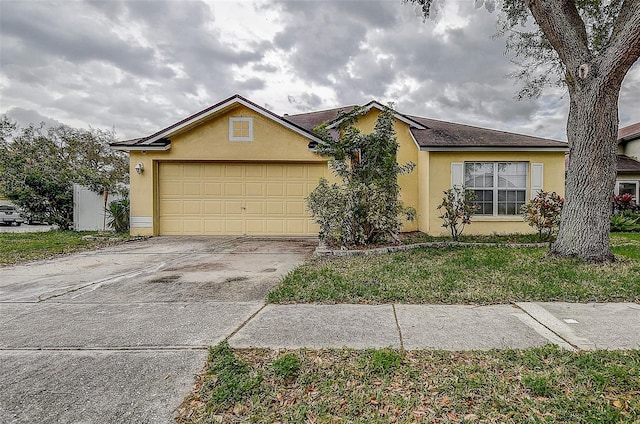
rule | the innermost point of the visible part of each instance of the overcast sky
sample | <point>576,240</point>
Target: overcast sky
<point>138,66</point>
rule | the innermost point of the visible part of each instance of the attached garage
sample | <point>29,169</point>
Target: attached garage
<point>220,198</point>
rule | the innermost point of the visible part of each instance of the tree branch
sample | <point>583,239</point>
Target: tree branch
<point>624,47</point>
<point>562,25</point>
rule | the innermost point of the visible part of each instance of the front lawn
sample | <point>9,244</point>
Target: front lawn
<point>388,386</point>
<point>23,247</point>
<point>460,275</point>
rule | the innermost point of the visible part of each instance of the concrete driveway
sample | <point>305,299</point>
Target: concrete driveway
<point>116,335</point>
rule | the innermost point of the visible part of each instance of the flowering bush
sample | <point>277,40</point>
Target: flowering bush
<point>458,209</point>
<point>543,213</point>
<point>624,202</point>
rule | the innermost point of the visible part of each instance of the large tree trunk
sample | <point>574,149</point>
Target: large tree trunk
<point>592,129</point>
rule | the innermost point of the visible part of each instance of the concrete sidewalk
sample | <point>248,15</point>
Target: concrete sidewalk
<point>572,326</point>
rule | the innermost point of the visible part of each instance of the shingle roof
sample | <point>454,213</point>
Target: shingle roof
<point>310,120</point>
<point>442,134</point>
<point>629,132</point>
<point>627,165</point>
<point>435,134</point>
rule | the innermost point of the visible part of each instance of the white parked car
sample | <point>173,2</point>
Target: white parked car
<point>9,215</point>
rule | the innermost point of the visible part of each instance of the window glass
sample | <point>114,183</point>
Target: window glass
<point>627,187</point>
<point>500,187</point>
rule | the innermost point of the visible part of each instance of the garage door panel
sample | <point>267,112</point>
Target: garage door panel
<point>213,226</point>
<point>233,207</point>
<point>231,171</point>
<point>171,188</point>
<point>254,207</point>
<point>213,170</point>
<point>171,207</point>
<point>275,189</point>
<point>192,207</point>
<point>255,226</point>
<point>192,189</point>
<point>275,227</point>
<point>232,189</point>
<point>233,226</point>
<point>193,171</point>
<point>296,208</point>
<point>249,198</point>
<point>275,208</point>
<point>295,190</point>
<point>213,207</point>
<point>254,189</point>
<point>213,189</point>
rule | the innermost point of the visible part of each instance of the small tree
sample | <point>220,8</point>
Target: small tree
<point>543,213</point>
<point>458,207</point>
<point>38,167</point>
<point>118,213</point>
<point>364,207</point>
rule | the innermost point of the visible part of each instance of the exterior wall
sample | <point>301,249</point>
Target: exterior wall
<point>632,149</point>
<point>423,209</point>
<point>407,152</point>
<point>209,141</point>
<point>439,177</point>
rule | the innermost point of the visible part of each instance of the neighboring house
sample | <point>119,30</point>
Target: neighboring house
<point>238,168</point>
<point>628,178</point>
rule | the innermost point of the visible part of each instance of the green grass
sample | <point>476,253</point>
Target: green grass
<point>24,247</point>
<point>383,386</point>
<point>461,275</point>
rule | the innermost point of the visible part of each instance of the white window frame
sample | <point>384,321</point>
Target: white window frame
<point>636,182</point>
<point>235,119</point>
<point>496,189</point>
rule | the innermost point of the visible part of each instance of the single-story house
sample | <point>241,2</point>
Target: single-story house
<point>238,168</point>
<point>628,178</point>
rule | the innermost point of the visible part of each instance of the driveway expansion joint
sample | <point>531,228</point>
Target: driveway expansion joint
<point>241,326</point>
<point>555,326</point>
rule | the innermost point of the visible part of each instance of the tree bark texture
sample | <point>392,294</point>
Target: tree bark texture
<point>592,133</point>
<point>594,81</point>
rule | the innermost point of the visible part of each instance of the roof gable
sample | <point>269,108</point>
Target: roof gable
<point>162,137</point>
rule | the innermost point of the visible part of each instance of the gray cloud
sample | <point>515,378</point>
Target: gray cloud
<point>141,65</point>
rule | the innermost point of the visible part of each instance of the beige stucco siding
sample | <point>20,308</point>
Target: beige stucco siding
<point>440,180</point>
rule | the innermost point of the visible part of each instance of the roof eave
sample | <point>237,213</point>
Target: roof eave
<point>140,147</point>
<point>492,149</point>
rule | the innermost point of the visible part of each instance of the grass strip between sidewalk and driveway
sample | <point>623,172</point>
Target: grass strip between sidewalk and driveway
<point>24,247</point>
<point>543,384</point>
<point>463,275</point>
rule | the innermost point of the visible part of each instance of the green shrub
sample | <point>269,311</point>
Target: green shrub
<point>458,209</point>
<point>118,213</point>
<point>625,223</point>
<point>543,213</point>
<point>364,207</point>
